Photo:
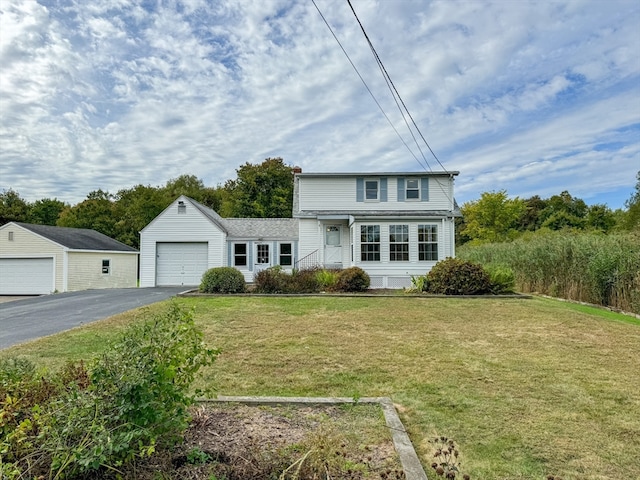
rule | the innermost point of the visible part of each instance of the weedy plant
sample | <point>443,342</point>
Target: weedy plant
<point>447,458</point>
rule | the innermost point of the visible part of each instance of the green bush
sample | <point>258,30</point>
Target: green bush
<point>327,279</point>
<point>352,279</point>
<point>303,281</point>
<point>503,280</point>
<point>222,280</point>
<point>453,276</point>
<point>270,280</point>
<point>133,398</point>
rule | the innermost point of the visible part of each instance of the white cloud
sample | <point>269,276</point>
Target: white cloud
<point>533,97</point>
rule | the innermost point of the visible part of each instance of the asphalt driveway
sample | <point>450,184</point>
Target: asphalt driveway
<point>34,317</point>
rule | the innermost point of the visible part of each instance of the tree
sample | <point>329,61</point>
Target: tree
<point>261,191</point>
<point>531,218</point>
<point>192,187</point>
<point>493,218</point>
<point>96,213</point>
<point>134,208</point>
<point>46,211</point>
<point>632,220</point>
<point>600,217</point>
<point>13,208</point>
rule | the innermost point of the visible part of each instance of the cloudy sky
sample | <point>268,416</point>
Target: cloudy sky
<point>530,97</point>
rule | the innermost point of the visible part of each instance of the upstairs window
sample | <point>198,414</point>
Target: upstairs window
<point>428,243</point>
<point>106,267</point>
<point>412,191</point>
<point>370,243</point>
<point>11,236</point>
<point>399,243</point>
<point>371,189</point>
<point>240,254</point>
<point>286,255</point>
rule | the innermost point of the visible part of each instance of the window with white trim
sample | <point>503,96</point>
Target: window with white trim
<point>240,254</point>
<point>106,266</point>
<point>370,243</point>
<point>412,189</point>
<point>371,190</point>
<point>399,243</point>
<point>428,243</point>
<point>286,255</point>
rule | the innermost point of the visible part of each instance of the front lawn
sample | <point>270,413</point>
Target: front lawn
<point>527,388</point>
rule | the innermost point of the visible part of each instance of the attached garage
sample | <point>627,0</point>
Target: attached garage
<point>27,276</point>
<point>181,263</point>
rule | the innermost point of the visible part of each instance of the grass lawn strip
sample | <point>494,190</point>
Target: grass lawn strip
<point>527,388</point>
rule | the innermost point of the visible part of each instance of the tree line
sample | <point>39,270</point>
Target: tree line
<point>265,190</point>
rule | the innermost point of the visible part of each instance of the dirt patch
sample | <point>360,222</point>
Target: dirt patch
<point>234,442</point>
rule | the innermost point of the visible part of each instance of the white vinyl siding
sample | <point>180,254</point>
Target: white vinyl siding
<point>173,227</point>
<point>26,276</point>
<point>340,194</point>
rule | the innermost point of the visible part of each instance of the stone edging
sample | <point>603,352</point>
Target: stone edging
<point>408,458</point>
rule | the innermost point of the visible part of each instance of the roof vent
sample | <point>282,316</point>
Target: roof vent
<point>182,208</point>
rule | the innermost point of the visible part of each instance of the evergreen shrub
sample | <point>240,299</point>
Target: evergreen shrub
<point>222,280</point>
<point>453,276</point>
<point>352,279</point>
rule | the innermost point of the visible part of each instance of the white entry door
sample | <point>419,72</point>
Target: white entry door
<point>332,245</point>
<point>262,257</point>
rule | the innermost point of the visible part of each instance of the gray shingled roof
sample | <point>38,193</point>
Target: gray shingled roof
<point>266,228</point>
<point>210,214</point>
<point>77,238</point>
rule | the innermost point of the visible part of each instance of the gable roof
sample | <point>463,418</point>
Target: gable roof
<point>77,238</point>
<point>209,213</point>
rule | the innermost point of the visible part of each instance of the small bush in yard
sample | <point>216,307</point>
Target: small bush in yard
<point>453,276</point>
<point>303,281</point>
<point>133,398</point>
<point>270,280</point>
<point>352,279</point>
<point>222,280</point>
<point>327,279</point>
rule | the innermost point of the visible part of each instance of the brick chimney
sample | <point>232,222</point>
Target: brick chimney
<point>296,170</point>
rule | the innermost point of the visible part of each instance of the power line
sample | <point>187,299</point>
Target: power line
<point>367,86</point>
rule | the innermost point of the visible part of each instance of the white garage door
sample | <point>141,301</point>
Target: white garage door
<point>180,263</point>
<point>26,276</point>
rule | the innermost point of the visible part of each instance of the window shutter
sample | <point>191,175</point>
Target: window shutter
<point>401,189</point>
<point>250,256</point>
<point>229,255</point>
<point>383,189</point>
<point>424,189</point>
<point>359,189</point>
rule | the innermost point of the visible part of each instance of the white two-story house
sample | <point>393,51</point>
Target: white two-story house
<point>392,225</point>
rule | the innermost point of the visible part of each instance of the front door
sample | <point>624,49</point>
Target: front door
<point>333,245</point>
<point>262,257</point>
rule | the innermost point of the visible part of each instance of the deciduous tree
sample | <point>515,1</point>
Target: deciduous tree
<point>492,218</point>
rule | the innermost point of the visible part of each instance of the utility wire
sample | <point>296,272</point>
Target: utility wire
<point>367,86</point>
<point>387,76</point>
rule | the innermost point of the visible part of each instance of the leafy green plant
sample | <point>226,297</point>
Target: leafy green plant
<point>453,276</point>
<point>353,279</point>
<point>418,284</point>
<point>502,278</point>
<point>327,279</point>
<point>196,456</point>
<point>222,280</point>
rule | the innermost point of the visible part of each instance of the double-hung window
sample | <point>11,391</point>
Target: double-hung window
<point>370,243</point>
<point>106,266</point>
<point>286,255</point>
<point>240,254</point>
<point>399,243</point>
<point>428,242</point>
<point>412,189</point>
<point>371,190</point>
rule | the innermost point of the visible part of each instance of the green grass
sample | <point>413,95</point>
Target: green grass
<point>527,388</point>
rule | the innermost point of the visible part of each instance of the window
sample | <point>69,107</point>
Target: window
<point>286,255</point>
<point>399,243</point>
<point>11,236</point>
<point>370,243</point>
<point>428,242</point>
<point>412,189</point>
<point>240,254</point>
<point>371,190</point>
<point>106,267</point>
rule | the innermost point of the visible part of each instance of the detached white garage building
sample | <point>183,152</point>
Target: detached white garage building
<point>41,259</point>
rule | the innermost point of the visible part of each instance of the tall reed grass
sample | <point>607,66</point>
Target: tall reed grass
<point>588,267</point>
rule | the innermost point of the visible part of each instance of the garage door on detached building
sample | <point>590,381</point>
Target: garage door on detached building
<point>181,263</point>
<point>26,276</point>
